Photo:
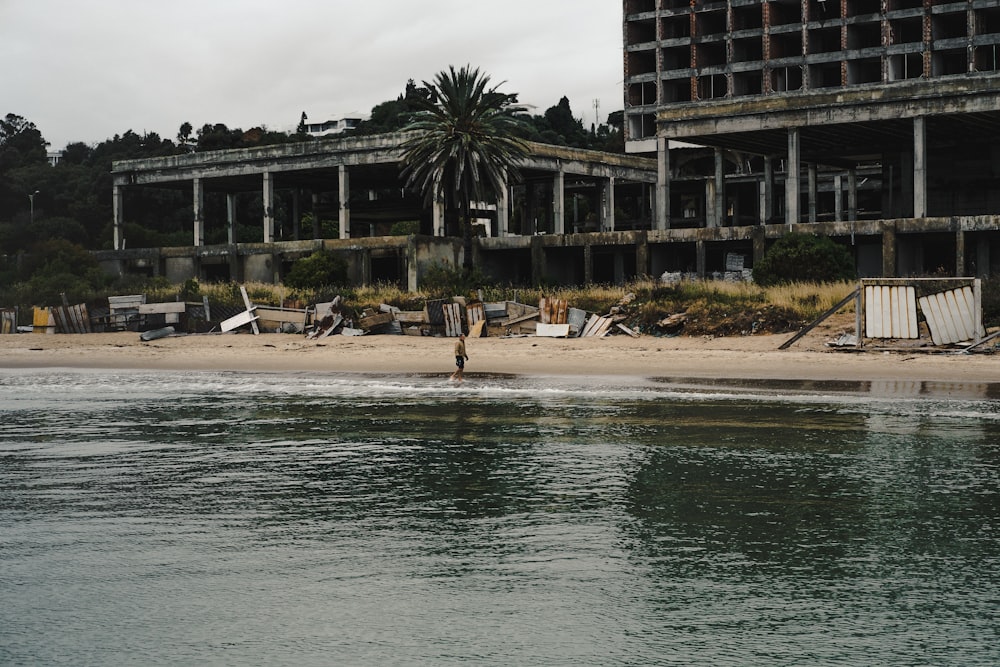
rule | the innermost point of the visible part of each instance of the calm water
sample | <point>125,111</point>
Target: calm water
<point>309,519</point>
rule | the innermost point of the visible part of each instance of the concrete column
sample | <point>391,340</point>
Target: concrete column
<point>295,214</point>
<point>959,253</point>
<point>767,191</point>
<point>919,167</point>
<point>437,214</point>
<point>344,199</point>
<point>315,212</point>
<point>852,194</point>
<point>983,257</point>
<point>889,250</point>
<point>699,251</point>
<point>838,197</point>
<point>231,217</point>
<point>711,215</point>
<point>811,170</point>
<point>759,244</point>
<point>268,207</point>
<point>503,209</point>
<point>662,193</point>
<point>559,203</point>
<point>619,266</point>
<point>792,178</point>
<point>537,260</point>
<point>198,201</point>
<point>412,265</point>
<point>642,266</point>
<point>588,264</point>
<point>118,216</point>
<point>609,202</point>
<point>720,189</point>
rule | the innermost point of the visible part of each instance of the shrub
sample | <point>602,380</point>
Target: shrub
<point>321,268</point>
<point>804,258</point>
<point>405,228</point>
<point>443,281</point>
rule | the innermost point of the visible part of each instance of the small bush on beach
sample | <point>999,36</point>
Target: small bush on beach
<point>804,258</point>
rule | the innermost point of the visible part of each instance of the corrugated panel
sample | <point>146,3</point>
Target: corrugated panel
<point>71,319</point>
<point>434,315</point>
<point>950,315</point>
<point>8,320</point>
<point>452,314</point>
<point>891,311</point>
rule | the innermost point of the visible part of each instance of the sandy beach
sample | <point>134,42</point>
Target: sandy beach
<point>743,357</point>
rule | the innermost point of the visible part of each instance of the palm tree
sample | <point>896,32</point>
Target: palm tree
<point>464,143</point>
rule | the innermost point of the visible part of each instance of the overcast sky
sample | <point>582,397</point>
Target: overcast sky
<point>85,70</point>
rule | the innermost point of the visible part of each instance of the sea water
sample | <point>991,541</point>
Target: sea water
<point>168,518</point>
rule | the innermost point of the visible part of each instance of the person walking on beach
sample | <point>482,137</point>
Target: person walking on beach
<point>460,357</point>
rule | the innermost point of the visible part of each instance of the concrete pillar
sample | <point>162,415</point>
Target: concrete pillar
<point>811,170</point>
<point>720,189</point>
<point>959,253</point>
<point>609,200</point>
<point>295,214</point>
<point>889,250</point>
<point>503,209</point>
<point>619,266</point>
<point>699,251</point>
<point>852,194</point>
<point>231,217</point>
<point>412,276</point>
<point>537,260</point>
<point>588,264</point>
<point>268,207</point>
<point>792,178</point>
<point>559,203</point>
<point>919,167</point>
<point>711,214</point>
<point>767,192</point>
<point>344,199</point>
<point>759,244</point>
<point>118,216</point>
<point>198,203</point>
<point>662,194</point>
<point>838,198</point>
<point>642,265</point>
<point>437,214</point>
<point>315,211</point>
<point>983,257</point>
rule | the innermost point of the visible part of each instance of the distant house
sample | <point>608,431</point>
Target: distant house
<point>335,125</point>
<point>54,157</point>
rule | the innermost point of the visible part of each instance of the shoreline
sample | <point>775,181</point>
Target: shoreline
<point>745,358</point>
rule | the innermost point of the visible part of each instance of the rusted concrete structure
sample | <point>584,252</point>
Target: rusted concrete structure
<point>356,179</point>
<point>872,121</point>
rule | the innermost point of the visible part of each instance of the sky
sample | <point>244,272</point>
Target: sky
<point>86,70</point>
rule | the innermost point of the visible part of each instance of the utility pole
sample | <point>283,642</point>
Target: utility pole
<point>597,113</point>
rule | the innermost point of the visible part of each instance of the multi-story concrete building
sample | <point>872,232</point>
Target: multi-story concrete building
<point>872,121</point>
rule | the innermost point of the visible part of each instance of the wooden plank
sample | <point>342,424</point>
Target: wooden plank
<point>372,321</point>
<point>475,312</point>
<point>162,308</point>
<point>809,327</point>
<point>410,316</point>
<point>549,330</point>
<point>478,330</point>
<point>625,329</point>
<point>250,309</point>
<point>591,323</point>
<point>238,320</point>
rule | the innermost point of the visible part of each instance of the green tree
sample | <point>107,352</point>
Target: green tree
<point>804,258</point>
<point>320,269</point>
<point>465,143</point>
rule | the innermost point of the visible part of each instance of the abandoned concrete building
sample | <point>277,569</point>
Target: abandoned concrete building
<point>873,122</point>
